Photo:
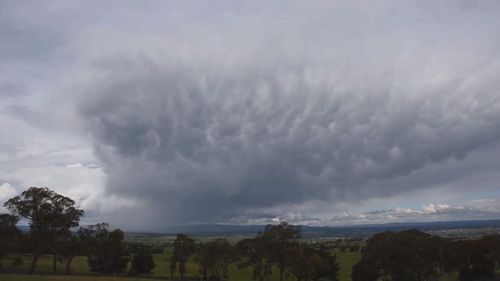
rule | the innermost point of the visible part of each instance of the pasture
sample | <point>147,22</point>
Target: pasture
<point>80,270</point>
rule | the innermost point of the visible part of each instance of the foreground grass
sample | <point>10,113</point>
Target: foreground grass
<point>81,272</point>
<point>24,277</point>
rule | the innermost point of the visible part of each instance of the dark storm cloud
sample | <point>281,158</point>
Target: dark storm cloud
<point>231,112</point>
<point>214,123</point>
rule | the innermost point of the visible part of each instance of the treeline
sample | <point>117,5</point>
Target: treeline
<point>278,250</point>
<point>416,256</point>
<point>54,229</point>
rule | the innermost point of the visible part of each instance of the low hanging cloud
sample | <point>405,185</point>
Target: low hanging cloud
<point>220,120</point>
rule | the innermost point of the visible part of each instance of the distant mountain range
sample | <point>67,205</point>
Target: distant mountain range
<point>331,231</point>
<point>320,231</point>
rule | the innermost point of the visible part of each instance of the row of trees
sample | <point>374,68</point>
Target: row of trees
<point>278,246</point>
<point>408,255</point>
<point>53,228</point>
<point>53,220</point>
<point>412,255</point>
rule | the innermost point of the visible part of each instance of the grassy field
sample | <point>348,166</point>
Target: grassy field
<point>81,271</point>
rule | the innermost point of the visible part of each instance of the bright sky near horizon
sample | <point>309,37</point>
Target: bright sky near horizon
<point>151,113</point>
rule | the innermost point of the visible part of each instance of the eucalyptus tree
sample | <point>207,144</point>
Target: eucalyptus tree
<point>8,234</point>
<point>184,247</point>
<point>49,215</point>
<point>279,240</point>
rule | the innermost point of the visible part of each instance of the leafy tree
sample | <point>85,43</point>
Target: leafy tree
<point>279,239</point>
<point>49,215</point>
<point>256,255</point>
<point>8,234</point>
<point>308,263</point>
<point>477,261</point>
<point>104,249</point>
<point>142,263</point>
<point>67,248</point>
<point>409,255</point>
<point>184,247</point>
<point>364,271</point>
<point>214,258</point>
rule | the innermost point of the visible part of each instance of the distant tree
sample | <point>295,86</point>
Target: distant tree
<point>18,261</point>
<point>67,248</point>
<point>364,271</point>
<point>279,239</point>
<point>8,234</point>
<point>409,255</point>
<point>256,256</point>
<point>477,261</point>
<point>184,247</point>
<point>104,248</point>
<point>492,242</point>
<point>49,215</point>
<point>214,258</point>
<point>142,263</point>
<point>308,263</point>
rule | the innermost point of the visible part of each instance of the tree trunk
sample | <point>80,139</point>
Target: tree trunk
<point>54,263</point>
<point>282,271</point>
<point>68,266</point>
<point>31,269</point>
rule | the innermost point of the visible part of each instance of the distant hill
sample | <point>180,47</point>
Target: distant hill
<point>332,231</point>
<point>324,231</point>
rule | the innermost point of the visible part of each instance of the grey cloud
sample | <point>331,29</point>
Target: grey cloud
<point>204,126</point>
<point>223,112</point>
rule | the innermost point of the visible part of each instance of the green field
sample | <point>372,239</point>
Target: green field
<point>80,270</point>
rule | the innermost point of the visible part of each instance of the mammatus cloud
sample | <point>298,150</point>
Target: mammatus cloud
<point>252,112</point>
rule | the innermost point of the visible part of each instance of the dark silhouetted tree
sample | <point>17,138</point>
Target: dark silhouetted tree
<point>184,247</point>
<point>49,215</point>
<point>256,256</point>
<point>142,263</point>
<point>214,258</point>
<point>67,248</point>
<point>309,263</point>
<point>279,239</point>
<point>8,234</point>
<point>409,255</point>
<point>477,261</point>
<point>104,248</point>
<point>364,271</point>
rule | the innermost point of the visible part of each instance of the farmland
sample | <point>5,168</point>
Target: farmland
<point>81,272</point>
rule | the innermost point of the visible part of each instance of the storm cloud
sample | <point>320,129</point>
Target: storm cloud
<point>237,113</point>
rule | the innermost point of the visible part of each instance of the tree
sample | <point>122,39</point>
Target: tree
<point>8,234</point>
<point>256,256</point>
<point>308,263</point>
<point>49,215</point>
<point>184,247</point>
<point>279,239</point>
<point>142,263</point>
<point>104,249</point>
<point>214,258</point>
<point>364,271</point>
<point>477,260</point>
<point>407,255</point>
<point>67,248</point>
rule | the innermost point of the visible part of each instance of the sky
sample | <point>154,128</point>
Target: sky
<point>157,113</point>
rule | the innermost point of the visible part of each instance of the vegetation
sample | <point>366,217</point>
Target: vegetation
<point>279,253</point>
<point>50,216</point>
<point>184,247</point>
